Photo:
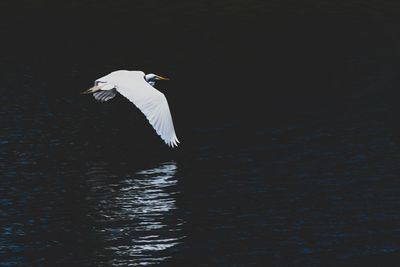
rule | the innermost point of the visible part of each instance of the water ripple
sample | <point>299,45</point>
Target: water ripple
<point>133,215</point>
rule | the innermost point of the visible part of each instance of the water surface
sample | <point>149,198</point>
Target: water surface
<point>286,112</point>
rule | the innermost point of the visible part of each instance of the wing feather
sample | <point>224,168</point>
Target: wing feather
<point>151,102</point>
<point>104,95</point>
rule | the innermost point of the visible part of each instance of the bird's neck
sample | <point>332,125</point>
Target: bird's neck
<point>152,83</point>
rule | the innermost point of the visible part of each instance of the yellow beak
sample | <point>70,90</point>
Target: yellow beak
<point>162,78</point>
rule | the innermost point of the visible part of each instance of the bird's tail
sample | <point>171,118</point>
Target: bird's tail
<point>92,90</point>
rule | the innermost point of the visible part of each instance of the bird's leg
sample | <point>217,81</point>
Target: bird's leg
<point>92,89</point>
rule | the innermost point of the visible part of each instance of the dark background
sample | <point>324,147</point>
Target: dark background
<point>286,112</point>
<point>256,59</point>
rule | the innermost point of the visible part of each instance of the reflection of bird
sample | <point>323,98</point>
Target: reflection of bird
<point>138,211</point>
<point>138,88</point>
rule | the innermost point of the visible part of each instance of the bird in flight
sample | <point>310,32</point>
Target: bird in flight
<point>138,89</point>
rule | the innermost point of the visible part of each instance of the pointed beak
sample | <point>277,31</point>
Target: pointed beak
<point>162,78</point>
<point>91,90</point>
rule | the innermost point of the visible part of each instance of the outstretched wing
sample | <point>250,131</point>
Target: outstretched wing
<point>104,95</point>
<point>151,102</point>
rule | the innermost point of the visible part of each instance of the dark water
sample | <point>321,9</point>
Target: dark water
<point>287,115</point>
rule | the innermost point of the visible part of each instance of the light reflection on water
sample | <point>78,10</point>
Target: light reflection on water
<point>134,216</point>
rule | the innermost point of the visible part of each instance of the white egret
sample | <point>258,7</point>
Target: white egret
<point>138,88</point>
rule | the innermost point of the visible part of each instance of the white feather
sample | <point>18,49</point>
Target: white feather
<point>150,101</point>
<point>104,95</point>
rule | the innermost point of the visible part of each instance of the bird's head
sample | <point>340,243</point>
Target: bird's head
<point>151,78</point>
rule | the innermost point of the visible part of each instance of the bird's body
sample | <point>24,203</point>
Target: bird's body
<point>138,88</point>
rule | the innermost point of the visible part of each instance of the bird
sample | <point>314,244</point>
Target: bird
<point>138,88</point>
